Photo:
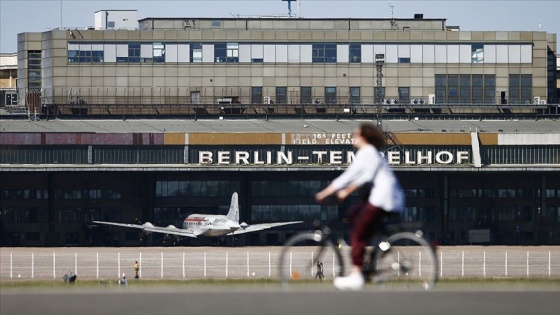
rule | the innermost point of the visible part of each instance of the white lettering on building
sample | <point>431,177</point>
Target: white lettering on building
<point>334,157</point>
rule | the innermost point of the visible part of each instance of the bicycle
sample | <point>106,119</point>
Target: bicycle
<point>397,258</point>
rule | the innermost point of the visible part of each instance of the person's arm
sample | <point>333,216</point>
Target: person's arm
<point>345,192</point>
<point>329,190</point>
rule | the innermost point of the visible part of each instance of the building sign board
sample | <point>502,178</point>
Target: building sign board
<point>327,157</point>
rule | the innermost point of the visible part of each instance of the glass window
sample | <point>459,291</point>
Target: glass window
<point>305,95</point>
<point>514,84</point>
<point>196,52</point>
<point>256,95</point>
<point>404,95</point>
<point>220,52</point>
<point>73,55</point>
<point>526,88</point>
<point>355,53</point>
<point>323,52</point>
<point>404,60</point>
<point>465,88</point>
<point>232,52</point>
<point>477,53</point>
<point>281,95</point>
<point>133,52</point>
<point>158,52</point>
<point>330,95</point>
<point>355,95</point>
<point>490,89</point>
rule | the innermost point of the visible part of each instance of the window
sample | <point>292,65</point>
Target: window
<point>97,56</point>
<point>281,95</point>
<point>133,52</point>
<point>216,23</point>
<point>196,52</point>
<point>404,60</point>
<point>355,95</point>
<point>441,88</point>
<point>226,52</point>
<point>477,53</point>
<point>256,95</point>
<point>355,53</point>
<point>84,56</point>
<point>477,88</point>
<point>465,88</point>
<point>453,88</point>
<point>323,52</point>
<point>232,52</point>
<point>305,95</point>
<point>526,88</point>
<point>34,71</point>
<point>490,88</point>
<point>330,95</point>
<point>158,52</point>
<point>73,56</point>
<point>404,95</point>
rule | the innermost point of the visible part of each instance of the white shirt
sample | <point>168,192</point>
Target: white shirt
<point>370,166</point>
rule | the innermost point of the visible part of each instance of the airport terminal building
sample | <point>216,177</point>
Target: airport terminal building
<point>466,182</point>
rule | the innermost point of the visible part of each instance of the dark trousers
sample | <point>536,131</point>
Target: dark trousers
<point>365,218</point>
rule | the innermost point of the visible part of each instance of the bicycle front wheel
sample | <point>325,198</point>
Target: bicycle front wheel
<point>308,258</point>
<point>406,260</point>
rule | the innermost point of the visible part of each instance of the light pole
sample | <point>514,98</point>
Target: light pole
<point>379,61</point>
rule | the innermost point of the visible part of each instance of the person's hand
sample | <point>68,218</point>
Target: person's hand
<point>342,194</point>
<point>319,197</point>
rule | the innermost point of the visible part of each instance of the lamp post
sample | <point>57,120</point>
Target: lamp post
<point>379,61</point>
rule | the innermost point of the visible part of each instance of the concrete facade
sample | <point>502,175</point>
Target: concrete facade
<point>180,61</point>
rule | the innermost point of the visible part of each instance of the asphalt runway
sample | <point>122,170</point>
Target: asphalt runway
<point>272,300</point>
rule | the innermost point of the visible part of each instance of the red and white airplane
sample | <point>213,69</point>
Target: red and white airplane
<point>205,224</point>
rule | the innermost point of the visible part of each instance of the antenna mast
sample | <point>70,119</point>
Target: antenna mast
<point>290,7</point>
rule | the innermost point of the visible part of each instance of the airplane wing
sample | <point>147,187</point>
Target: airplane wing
<point>148,227</point>
<point>263,226</point>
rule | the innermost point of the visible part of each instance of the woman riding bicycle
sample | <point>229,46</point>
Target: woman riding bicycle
<point>368,168</point>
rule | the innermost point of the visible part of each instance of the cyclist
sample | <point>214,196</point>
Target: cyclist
<point>385,195</point>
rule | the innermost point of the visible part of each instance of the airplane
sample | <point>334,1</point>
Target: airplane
<point>196,225</point>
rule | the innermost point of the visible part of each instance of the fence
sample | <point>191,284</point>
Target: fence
<point>253,262</point>
<point>160,101</point>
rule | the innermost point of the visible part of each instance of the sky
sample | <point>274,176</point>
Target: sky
<point>18,16</point>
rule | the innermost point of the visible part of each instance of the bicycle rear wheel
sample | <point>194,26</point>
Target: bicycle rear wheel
<point>299,257</point>
<point>406,260</point>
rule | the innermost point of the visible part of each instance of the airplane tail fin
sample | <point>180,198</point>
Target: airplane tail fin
<point>233,213</point>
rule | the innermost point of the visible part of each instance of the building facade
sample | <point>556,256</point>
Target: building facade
<point>175,64</point>
<point>501,179</point>
<point>8,76</point>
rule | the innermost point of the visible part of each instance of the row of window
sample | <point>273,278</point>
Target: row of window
<point>234,52</point>
<point>465,88</point>
<point>60,194</point>
<point>264,189</point>
<point>272,213</point>
<point>500,214</point>
<point>208,188</point>
<point>496,193</point>
<point>62,215</point>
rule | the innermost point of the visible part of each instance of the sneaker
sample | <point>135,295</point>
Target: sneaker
<point>352,282</point>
